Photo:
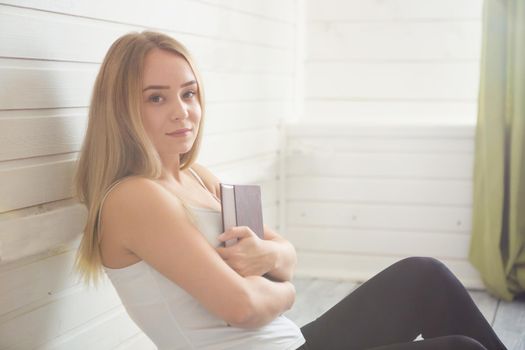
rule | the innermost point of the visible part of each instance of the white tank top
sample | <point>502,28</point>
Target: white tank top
<point>173,319</point>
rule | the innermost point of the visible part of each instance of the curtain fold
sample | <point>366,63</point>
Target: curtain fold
<point>497,246</point>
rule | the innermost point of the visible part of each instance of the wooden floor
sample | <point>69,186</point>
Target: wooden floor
<point>315,296</point>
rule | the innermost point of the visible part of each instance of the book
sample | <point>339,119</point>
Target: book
<point>241,205</point>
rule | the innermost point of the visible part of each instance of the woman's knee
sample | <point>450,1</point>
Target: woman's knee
<point>426,269</point>
<point>423,263</point>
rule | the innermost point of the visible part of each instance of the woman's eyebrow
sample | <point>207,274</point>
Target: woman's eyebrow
<point>158,87</point>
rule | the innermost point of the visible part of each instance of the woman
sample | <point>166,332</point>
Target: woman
<point>154,227</point>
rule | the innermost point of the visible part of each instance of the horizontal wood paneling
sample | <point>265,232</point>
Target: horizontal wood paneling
<point>420,166</point>
<point>221,23</point>
<point>366,194</point>
<point>379,242</point>
<point>427,192</point>
<point>392,61</point>
<point>111,330</point>
<point>425,81</point>
<point>279,10</point>
<point>388,10</point>
<point>37,323</point>
<point>392,41</point>
<point>379,216</point>
<point>384,112</point>
<point>20,25</point>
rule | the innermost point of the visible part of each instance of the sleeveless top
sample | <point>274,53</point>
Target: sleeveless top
<point>174,319</point>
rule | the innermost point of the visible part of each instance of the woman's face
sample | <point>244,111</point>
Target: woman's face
<point>170,102</point>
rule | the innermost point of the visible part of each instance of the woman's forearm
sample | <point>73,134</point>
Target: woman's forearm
<point>267,300</point>
<point>285,260</point>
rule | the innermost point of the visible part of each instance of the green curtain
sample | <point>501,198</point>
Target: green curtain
<point>497,246</point>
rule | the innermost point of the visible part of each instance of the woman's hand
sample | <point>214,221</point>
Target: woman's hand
<point>250,256</point>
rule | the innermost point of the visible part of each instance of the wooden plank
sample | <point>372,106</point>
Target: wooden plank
<point>361,143</point>
<point>252,170</point>
<point>25,283</point>
<point>387,131</point>
<point>35,230</point>
<point>233,146</point>
<point>393,81</point>
<point>277,9</point>
<point>377,216</point>
<point>21,26</point>
<point>106,331</point>
<point>415,166</point>
<point>45,84</point>
<point>32,136</point>
<point>244,115</point>
<point>394,41</point>
<point>388,10</point>
<point>383,111</point>
<point>220,22</point>
<point>509,323</point>
<point>40,322</point>
<point>379,242</point>
<point>137,342</point>
<point>380,191</point>
<point>36,180</point>
<point>359,268</point>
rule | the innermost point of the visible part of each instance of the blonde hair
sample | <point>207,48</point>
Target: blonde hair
<point>116,144</point>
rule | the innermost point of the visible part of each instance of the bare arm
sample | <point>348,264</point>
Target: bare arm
<point>274,257</point>
<point>152,224</point>
<point>285,257</point>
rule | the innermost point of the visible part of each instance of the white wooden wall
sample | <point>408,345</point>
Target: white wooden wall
<point>49,55</point>
<point>380,166</point>
<point>392,60</point>
<point>362,197</point>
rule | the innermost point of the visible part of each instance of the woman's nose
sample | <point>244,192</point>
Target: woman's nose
<point>179,111</point>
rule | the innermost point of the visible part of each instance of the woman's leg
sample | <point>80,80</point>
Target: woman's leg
<point>411,297</point>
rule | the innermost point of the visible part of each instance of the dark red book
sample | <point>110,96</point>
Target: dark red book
<point>241,205</point>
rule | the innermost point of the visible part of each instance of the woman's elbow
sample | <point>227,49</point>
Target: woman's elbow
<point>244,315</point>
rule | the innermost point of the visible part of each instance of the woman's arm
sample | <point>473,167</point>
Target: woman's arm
<point>285,257</point>
<point>150,223</point>
<point>273,257</point>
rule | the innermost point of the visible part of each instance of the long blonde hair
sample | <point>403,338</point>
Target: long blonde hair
<point>116,144</point>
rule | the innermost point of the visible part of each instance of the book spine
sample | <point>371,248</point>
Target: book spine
<point>229,213</point>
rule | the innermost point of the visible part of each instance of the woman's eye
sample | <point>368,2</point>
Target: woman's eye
<point>155,98</point>
<point>189,94</point>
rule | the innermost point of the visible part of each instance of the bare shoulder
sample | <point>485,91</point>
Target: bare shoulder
<point>210,180</point>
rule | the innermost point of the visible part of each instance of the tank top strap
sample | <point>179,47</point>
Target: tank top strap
<point>202,182</point>
<point>111,187</point>
<point>198,178</point>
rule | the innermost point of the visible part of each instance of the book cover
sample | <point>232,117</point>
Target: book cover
<point>241,205</point>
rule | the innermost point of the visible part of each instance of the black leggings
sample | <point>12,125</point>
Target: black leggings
<point>411,297</point>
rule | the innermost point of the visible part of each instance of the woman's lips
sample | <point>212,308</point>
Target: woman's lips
<point>180,132</point>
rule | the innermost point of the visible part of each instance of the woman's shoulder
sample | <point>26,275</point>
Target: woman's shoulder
<point>133,195</point>
<point>130,186</point>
